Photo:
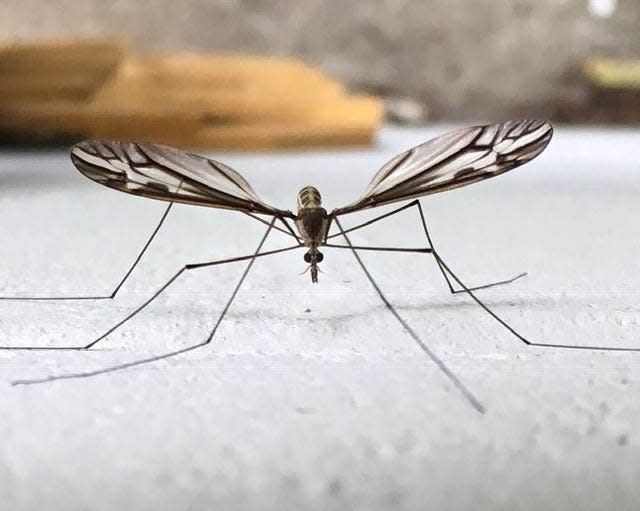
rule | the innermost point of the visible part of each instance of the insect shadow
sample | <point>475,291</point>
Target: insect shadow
<point>450,161</point>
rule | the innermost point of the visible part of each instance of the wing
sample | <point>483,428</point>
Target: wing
<point>164,173</point>
<point>456,159</point>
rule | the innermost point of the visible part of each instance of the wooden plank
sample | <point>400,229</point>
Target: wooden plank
<point>283,136</point>
<point>237,109</point>
<point>230,106</point>
<point>144,81</point>
<point>228,71</point>
<point>67,117</point>
<point>43,57</point>
<point>80,86</point>
<point>184,128</point>
<point>92,89</point>
<point>74,69</point>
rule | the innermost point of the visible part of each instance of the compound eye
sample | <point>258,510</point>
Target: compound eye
<point>319,257</point>
<point>307,257</point>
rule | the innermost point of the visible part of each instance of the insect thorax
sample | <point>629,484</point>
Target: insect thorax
<point>309,197</point>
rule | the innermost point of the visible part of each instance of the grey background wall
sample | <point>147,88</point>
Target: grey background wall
<point>464,58</point>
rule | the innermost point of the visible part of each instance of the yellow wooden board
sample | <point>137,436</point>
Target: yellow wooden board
<point>614,74</point>
<point>101,89</point>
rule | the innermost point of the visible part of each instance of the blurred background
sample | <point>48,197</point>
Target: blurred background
<point>264,74</point>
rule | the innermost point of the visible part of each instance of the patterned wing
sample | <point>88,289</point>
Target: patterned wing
<point>456,159</point>
<point>164,173</point>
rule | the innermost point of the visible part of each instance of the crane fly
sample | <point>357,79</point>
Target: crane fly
<point>450,161</point>
<point>453,160</point>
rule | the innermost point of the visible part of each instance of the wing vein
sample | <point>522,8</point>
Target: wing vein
<point>453,160</point>
<point>164,173</point>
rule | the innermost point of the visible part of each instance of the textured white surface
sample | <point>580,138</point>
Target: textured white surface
<point>335,408</point>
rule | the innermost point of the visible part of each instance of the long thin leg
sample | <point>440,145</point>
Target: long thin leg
<point>118,286</point>
<point>372,220</point>
<point>381,249</point>
<point>289,231</point>
<point>147,360</point>
<point>437,360</point>
<point>444,273</point>
<point>185,268</point>
<point>520,337</point>
<point>416,203</point>
<point>469,290</point>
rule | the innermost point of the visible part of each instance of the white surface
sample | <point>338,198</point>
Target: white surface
<point>336,408</point>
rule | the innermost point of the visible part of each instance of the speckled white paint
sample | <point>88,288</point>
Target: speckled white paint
<point>335,408</point>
